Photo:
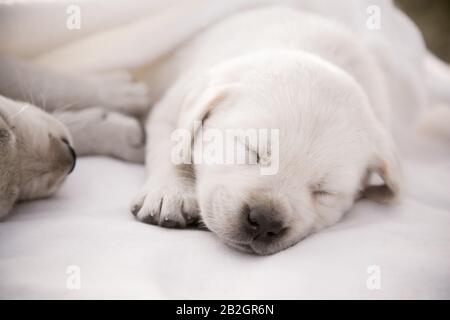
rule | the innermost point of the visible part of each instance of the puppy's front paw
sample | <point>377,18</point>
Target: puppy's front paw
<point>127,136</point>
<point>102,132</point>
<point>117,91</point>
<point>168,205</point>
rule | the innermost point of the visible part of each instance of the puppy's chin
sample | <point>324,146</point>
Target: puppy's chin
<point>259,249</point>
<point>241,247</point>
<point>222,213</point>
<point>43,186</point>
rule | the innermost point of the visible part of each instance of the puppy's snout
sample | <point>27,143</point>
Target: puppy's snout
<point>264,223</point>
<point>73,155</point>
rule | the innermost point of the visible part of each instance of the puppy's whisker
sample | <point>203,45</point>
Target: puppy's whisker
<point>65,107</point>
<point>20,84</point>
<point>43,97</point>
<point>30,92</point>
<point>17,114</point>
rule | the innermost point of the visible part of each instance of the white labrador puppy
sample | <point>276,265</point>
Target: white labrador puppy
<point>280,69</point>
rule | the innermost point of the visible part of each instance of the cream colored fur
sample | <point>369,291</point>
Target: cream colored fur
<point>273,68</point>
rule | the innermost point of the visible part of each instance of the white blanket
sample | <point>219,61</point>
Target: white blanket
<point>400,251</point>
<point>87,225</point>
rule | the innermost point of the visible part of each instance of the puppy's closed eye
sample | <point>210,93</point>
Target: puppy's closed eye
<point>259,157</point>
<point>321,195</point>
<point>253,155</point>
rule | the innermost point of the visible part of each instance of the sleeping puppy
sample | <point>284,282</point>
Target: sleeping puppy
<point>309,79</point>
<point>36,153</point>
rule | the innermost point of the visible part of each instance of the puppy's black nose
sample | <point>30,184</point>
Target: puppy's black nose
<point>74,158</point>
<point>73,154</point>
<point>264,223</point>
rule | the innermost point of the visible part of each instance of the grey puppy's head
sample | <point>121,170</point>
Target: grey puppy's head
<point>35,153</point>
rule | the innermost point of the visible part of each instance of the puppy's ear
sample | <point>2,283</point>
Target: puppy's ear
<point>385,163</point>
<point>200,100</point>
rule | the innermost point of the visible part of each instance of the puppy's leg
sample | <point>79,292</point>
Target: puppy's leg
<point>168,197</point>
<point>55,91</point>
<point>98,131</point>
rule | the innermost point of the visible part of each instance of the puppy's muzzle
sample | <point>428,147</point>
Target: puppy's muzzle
<point>263,224</point>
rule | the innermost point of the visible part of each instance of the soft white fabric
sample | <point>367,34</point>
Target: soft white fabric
<point>87,223</point>
<point>117,34</point>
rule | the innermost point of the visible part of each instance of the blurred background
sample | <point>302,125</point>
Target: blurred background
<point>433,19</point>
